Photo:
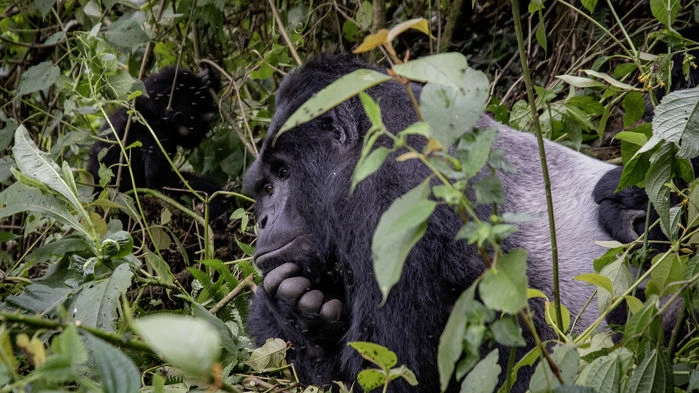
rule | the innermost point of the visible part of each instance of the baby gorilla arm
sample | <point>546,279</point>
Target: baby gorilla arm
<point>285,283</point>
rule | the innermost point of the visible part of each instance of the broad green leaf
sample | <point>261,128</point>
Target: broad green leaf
<point>44,6</point>
<point>473,150</point>
<point>668,269</point>
<point>332,95</point>
<point>371,379</point>
<point>634,105</point>
<point>67,357</point>
<point>643,323</point>
<point>676,120</point>
<point>375,353</point>
<point>191,345</point>
<point>484,376</point>
<point>450,342</point>
<point>636,138</point>
<point>504,286</point>
<point>540,32</point>
<point>507,332</point>
<point>452,111</point>
<point>367,166</point>
<point>448,69</point>
<point>399,229</point>
<point>37,78</point>
<point>597,280</point>
<point>665,11</point>
<point>605,374</point>
<point>633,303</point>
<point>551,319</point>
<point>116,370</point>
<point>40,298</point>
<point>95,302</point>
<point>653,375</point>
<point>126,32</point>
<point>621,278</point>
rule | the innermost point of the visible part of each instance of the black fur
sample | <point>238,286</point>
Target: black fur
<point>184,124</point>
<point>308,217</point>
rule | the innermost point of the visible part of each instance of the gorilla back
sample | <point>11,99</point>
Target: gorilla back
<point>314,244</point>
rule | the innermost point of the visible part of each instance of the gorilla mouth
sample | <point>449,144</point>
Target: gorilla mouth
<point>267,260</point>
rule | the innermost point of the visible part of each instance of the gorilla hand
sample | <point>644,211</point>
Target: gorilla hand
<point>284,283</point>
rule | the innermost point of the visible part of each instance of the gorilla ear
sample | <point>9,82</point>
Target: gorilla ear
<point>340,134</point>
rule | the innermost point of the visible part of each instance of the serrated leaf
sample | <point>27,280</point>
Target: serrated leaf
<point>401,226</point>
<point>658,174</point>
<point>37,78</point>
<point>117,371</point>
<point>504,287</point>
<point>335,93</point>
<point>375,353</point>
<point>191,345</point>
<point>676,120</point>
<point>605,373</point>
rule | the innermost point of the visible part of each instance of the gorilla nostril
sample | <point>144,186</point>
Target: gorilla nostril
<point>263,222</point>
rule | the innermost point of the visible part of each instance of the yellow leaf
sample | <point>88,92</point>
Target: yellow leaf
<point>372,41</point>
<point>419,24</point>
<point>407,156</point>
<point>432,146</point>
<point>34,348</point>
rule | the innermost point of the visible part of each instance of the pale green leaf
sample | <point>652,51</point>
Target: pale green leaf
<point>117,371</point>
<point>676,120</point>
<point>450,342</point>
<point>484,376</point>
<point>38,77</point>
<point>504,287</point>
<point>375,353</point>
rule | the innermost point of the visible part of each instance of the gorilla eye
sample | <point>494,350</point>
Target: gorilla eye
<point>268,188</point>
<point>283,172</point>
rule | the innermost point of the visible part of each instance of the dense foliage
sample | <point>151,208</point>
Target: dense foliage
<point>86,276</point>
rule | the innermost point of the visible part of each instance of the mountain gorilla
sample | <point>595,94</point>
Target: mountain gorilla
<point>314,246</point>
<point>184,124</point>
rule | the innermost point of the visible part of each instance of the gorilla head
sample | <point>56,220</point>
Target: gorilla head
<point>314,244</point>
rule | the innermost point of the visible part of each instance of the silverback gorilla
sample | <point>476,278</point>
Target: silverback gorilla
<point>185,124</point>
<point>314,244</point>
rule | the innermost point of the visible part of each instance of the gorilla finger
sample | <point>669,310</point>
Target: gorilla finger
<point>292,288</point>
<point>331,310</point>
<point>311,301</point>
<point>279,274</point>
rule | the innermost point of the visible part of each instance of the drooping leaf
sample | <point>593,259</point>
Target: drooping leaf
<point>373,41</point>
<point>450,342</point>
<point>335,93</point>
<point>419,24</point>
<point>399,229</point>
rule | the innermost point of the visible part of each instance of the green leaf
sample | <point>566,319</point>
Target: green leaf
<point>507,332</point>
<point>67,356</point>
<point>653,375</point>
<point>447,69</point>
<point>126,32</point>
<point>597,280</point>
<point>611,81</point>
<point>37,78</point>
<point>191,345</point>
<point>566,358</point>
<point>332,95</point>
<point>40,166</point>
<point>634,105</point>
<point>366,166</point>
<point>375,353</point>
<point>504,287</point>
<point>44,6</point>
<point>371,379</point>
<point>665,11</point>
<point>484,376</point>
<point>116,370</point>
<point>658,174</point>
<point>450,342</point>
<point>621,278</point>
<point>580,82</point>
<point>606,374</point>
<point>676,120</point>
<point>473,150</point>
<point>589,5</point>
<point>453,111</point>
<point>668,269</point>
<point>399,229</point>
<point>95,302</point>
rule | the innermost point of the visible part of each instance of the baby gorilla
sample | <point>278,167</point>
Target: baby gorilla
<point>181,121</point>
